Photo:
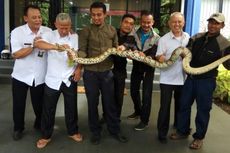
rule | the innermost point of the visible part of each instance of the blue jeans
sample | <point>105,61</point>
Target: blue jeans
<point>200,90</point>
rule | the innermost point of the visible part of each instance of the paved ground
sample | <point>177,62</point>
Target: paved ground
<point>217,139</point>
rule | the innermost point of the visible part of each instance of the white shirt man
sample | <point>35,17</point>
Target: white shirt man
<point>32,68</point>
<point>58,69</point>
<point>173,77</point>
<point>174,74</point>
<point>58,81</point>
<point>29,69</point>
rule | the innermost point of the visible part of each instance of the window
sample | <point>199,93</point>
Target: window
<point>116,9</point>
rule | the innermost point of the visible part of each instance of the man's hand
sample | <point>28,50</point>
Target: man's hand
<point>141,54</point>
<point>121,48</point>
<point>161,58</point>
<point>62,47</point>
<point>77,74</point>
<point>37,38</point>
<point>66,46</point>
<point>35,42</point>
<point>71,55</point>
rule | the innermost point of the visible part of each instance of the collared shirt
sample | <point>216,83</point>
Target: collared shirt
<point>58,69</point>
<point>31,68</point>
<point>173,75</point>
<point>149,48</point>
<point>95,40</point>
<point>149,43</point>
<point>144,37</point>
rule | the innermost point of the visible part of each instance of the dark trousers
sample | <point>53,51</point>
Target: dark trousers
<point>165,102</point>
<point>119,86</point>
<point>19,90</point>
<point>200,90</point>
<point>142,107</point>
<point>96,83</point>
<point>51,97</point>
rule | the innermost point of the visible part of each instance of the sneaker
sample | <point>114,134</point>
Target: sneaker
<point>102,121</point>
<point>133,116</point>
<point>163,140</point>
<point>141,126</point>
<point>120,137</point>
<point>95,139</point>
<point>17,135</point>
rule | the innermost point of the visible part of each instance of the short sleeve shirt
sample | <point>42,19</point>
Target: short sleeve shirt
<point>58,69</point>
<point>31,68</point>
<point>173,75</point>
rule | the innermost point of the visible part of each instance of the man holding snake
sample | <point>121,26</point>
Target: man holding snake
<point>206,48</point>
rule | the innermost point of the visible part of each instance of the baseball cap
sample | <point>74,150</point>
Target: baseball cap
<point>218,17</point>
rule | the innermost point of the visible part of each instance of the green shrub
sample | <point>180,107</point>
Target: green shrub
<point>222,90</point>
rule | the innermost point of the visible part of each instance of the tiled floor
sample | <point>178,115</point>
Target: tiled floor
<point>217,139</point>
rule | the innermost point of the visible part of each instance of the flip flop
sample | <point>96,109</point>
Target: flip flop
<point>196,144</point>
<point>41,143</point>
<point>77,137</point>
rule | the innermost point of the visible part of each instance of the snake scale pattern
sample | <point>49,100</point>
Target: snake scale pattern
<point>180,51</point>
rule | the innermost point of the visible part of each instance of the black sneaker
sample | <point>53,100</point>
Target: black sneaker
<point>95,139</point>
<point>162,140</point>
<point>133,116</point>
<point>121,138</point>
<point>102,121</point>
<point>17,135</point>
<point>141,126</point>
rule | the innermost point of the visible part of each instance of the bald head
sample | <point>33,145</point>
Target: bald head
<point>176,23</point>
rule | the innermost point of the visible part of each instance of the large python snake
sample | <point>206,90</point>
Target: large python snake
<point>180,51</point>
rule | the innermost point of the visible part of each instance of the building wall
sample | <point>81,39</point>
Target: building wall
<point>209,7</point>
<point>226,12</point>
<point>7,21</point>
<point>133,5</point>
<point>2,41</point>
<point>14,11</point>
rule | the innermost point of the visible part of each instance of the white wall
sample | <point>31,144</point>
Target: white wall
<point>226,12</point>
<point>208,7</point>
<point>182,6</point>
<point>7,21</point>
